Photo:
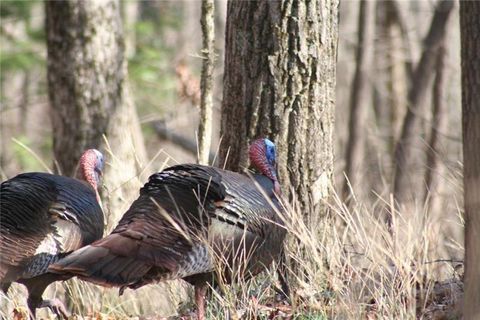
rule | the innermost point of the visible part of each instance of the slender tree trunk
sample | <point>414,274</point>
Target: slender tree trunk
<point>87,80</point>
<point>435,169</point>
<point>378,155</point>
<point>392,63</point>
<point>359,98</point>
<point>280,64</point>
<point>398,13</point>
<point>470,52</point>
<point>399,69</point>
<point>190,33</point>
<point>25,101</point>
<point>407,150</point>
<point>220,25</point>
<point>206,98</point>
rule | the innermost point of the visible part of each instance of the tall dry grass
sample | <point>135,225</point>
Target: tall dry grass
<point>348,265</point>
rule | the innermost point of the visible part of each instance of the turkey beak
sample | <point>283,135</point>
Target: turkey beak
<point>274,169</point>
<point>277,189</point>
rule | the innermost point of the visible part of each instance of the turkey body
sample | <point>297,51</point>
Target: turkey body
<point>43,217</point>
<point>187,221</point>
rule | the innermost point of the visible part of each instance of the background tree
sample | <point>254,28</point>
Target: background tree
<point>280,83</point>
<point>360,97</point>
<point>470,50</point>
<point>21,67</point>
<point>88,90</point>
<point>409,146</point>
<point>391,69</point>
<point>435,168</point>
<point>166,31</point>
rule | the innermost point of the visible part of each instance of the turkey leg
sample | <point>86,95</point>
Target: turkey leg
<point>200,292</point>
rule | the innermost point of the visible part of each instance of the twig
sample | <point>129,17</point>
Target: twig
<point>33,154</point>
<point>444,260</point>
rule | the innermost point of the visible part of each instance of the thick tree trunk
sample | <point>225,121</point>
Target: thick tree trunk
<point>359,98</point>
<point>279,82</point>
<point>87,79</point>
<point>407,148</point>
<point>470,44</point>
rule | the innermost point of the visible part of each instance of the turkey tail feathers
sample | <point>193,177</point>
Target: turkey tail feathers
<point>101,266</point>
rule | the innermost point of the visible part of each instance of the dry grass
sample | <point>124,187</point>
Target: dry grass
<point>348,265</point>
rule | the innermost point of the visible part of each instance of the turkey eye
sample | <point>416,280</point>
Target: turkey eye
<point>271,152</point>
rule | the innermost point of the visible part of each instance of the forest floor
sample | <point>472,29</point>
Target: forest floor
<point>442,303</point>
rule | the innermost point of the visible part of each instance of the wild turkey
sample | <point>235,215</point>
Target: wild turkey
<point>185,217</point>
<point>43,217</point>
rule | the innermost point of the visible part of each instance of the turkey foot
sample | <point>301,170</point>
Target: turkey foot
<point>282,294</point>
<point>56,306</point>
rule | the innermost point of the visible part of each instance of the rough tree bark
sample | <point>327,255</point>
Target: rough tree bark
<point>408,146</point>
<point>279,82</point>
<point>470,51</point>
<point>206,85</point>
<point>359,98</point>
<point>87,81</point>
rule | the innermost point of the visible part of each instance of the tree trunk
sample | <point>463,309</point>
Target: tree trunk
<point>206,98</point>
<point>279,82</point>
<point>399,69</point>
<point>25,101</point>
<point>393,60</point>
<point>407,148</point>
<point>470,50</point>
<point>359,98</point>
<point>129,11</point>
<point>87,80</point>
<point>435,169</point>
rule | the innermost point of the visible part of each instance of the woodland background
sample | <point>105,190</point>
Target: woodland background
<point>398,66</point>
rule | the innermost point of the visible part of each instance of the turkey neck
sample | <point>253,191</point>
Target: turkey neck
<point>86,173</point>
